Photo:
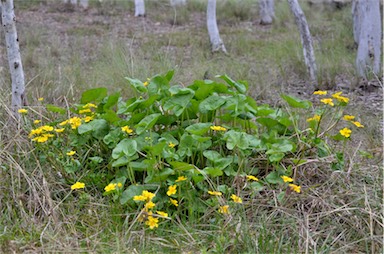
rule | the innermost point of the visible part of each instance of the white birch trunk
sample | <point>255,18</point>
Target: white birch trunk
<point>84,4</point>
<point>267,11</point>
<point>14,58</point>
<point>139,8</point>
<point>213,31</point>
<point>368,35</point>
<point>175,3</point>
<point>306,38</point>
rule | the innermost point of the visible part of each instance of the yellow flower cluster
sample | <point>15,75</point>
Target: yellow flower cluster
<point>340,98</point>
<point>126,129</point>
<point>236,199</point>
<point>75,122</point>
<point>22,111</point>
<point>346,132</point>
<point>350,119</point>
<point>151,220</point>
<point>215,193</point>
<point>218,128</point>
<point>41,134</point>
<point>112,186</point>
<point>294,187</point>
<point>314,118</point>
<point>171,145</point>
<point>180,179</point>
<point>252,178</point>
<point>78,185</point>
<point>172,190</point>
<point>224,209</point>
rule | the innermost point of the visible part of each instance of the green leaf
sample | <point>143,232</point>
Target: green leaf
<point>130,192</point>
<point>236,139</point>
<point>55,109</point>
<point>241,86</point>
<point>198,128</point>
<point>122,161</point>
<point>111,101</point>
<point>177,165</point>
<point>124,147</point>
<point>273,178</point>
<point>137,85</point>
<point>275,156</point>
<point>159,176</point>
<point>179,100</point>
<point>98,127</point>
<point>212,155</point>
<point>94,95</point>
<point>296,103</point>
<point>213,172</point>
<point>146,123</point>
<point>213,102</point>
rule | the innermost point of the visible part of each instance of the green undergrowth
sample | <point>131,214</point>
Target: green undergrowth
<point>175,162</point>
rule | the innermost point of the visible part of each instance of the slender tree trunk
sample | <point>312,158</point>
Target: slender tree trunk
<point>175,3</point>
<point>139,8</point>
<point>306,38</point>
<point>213,31</point>
<point>367,34</point>
<point>14,58</point>
<point>84,4</point>
<point>267,11</point>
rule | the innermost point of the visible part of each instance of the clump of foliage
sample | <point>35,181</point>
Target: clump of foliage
<point>175,150</point>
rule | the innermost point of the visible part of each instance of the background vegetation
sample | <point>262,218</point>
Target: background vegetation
<point>66,51</point>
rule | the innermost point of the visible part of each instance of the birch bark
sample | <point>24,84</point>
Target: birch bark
<point>267,11</point>
<point>306,38</point>
<point>139,8</point>
<point>367,34</point>
<point>213,31</point>
<point>14,58</point>
<point>175,3</point>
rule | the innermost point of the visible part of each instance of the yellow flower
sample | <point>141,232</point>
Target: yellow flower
<point>319,92</point>
<point>59,130</point>
<point>340,98</point>
<point>215,193</point>
<point>172,190</point>
<point>218,128</point>
<point>64,123</point>
<point>89,105</point>
<point>22,111</point>
<point>78,185</point>
<point>180,179</point>
<point>139,198</point>
<point>127,129</point>
<point>174,202</point>
<point>346,132</point>
<point>152,222</point>
<point>149,205</point>
<point>70,153</point>
<point>83,111</point>
<point>110,187</point>
<point>295,188</point>
<point>87,119</point>
<point>236,199</point>
<point>148,195</point>
<point>287,179</point>
<point>314,118</point>
<point>328,101</point>
<point>34,132</point>
<point>37,121</point>
<point>43,138</point>
<point>146,82</point>
<point>348,117</point>
<point>47,128</point>
<point>171,145</point>
<point>119,185</point>
<point>162,214</point>
<point>74,122</point>
<point>224,209</point>
<point>252,178</point>
<point>358,124</point>
<point>40,99</point>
